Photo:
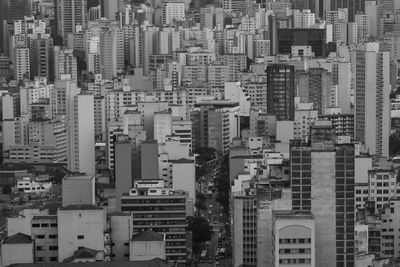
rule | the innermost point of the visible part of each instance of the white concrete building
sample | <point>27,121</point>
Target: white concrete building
<point>173,11</point>
<point>17,248</point>
<point>304,117</point>
<point>162,125</point>
<point>81,157</point>
<point>372,106</point>
<point>293,239</point>
<point>303,18</point>
<point>21,63</point>
<point>27,185</point>
<point>78,190</point>
<point>147,245</point>
<point>80,226</point>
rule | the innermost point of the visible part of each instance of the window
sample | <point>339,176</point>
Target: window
<point>35,225</point>
<point>81,237</point>
<point>40,236</point>
<point>39,248</point>
<point>53,259</point>
<point>53,247</point>
<point>53,236</point>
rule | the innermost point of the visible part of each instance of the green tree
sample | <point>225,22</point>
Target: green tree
<point>223,187</point>
<point>200,201</point>
<point>201,232</point>
<point>205,154</point>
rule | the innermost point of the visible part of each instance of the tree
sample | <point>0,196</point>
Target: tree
<point>200,171</point>
<point>205,154</point>
<point>200,201</point>
<point>223,187</point>
<point>201,231</point>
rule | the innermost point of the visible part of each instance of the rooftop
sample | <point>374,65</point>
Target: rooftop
<point>148,236</point>
<point>182,160</point>
<point>291,214</point>
<point>18,238</point>
<point>44,217</point>
<point>82,253</point>
<point>81,207</point>
<point>79,177</point>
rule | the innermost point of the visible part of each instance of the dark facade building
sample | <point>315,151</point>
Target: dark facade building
<point>354,6</point>
<point>322,181</point>
<point>41,55</point>
<point>287,37</point>
<point>280,91</point>
<point>12,10</point>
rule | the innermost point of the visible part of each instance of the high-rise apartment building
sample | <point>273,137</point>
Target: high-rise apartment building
<point>162,210</point>
<point>363,27</point>
<point>244,215</point>
<point>41,57</point>
<point>65,66</point>
<point>354,6</point>
<point>281,87</point>
<point>111,49</point>
<point>303,18</point>
<point>11,10</point>
<point>21,63</point>
<point>322,181</point>
<point>69,14</point>
<point>342,123</point>
<point>314,86</point>
<point>81,157</point>
<point>173,11</point>
<point>372,89</point>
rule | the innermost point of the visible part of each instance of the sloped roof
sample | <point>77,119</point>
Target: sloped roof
<point>81,207</point>
<point>148,236</point>
<point>82,253</point>
<point>18,238</point>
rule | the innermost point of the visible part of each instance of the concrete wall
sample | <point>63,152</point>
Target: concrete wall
<point>146,250</point>
<point>123,171</point>
<point>121,226</point>
<point>149,160</point>
<point>16,253</point>
<point>72,224</point>
<point>183,177</point>
<point>78,190</point>
<point>323,206</point>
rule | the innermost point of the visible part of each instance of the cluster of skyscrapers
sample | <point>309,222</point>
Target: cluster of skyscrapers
<point>298,95</point>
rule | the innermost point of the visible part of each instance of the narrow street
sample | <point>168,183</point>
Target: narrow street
<point>214,215</point>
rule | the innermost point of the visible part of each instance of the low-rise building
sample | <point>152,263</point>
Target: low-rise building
<point>147,245</point>
<point>17,248</point>
<point>45,235</point>
<point>293,240</point>
<point>27,185</point>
